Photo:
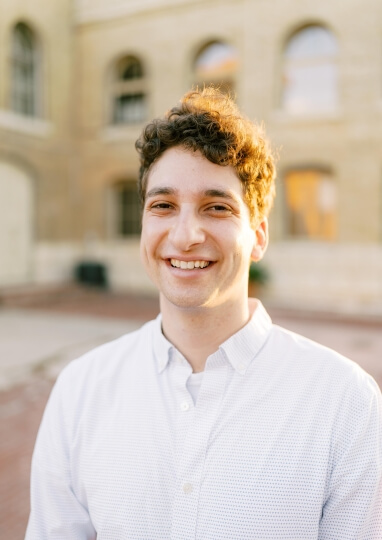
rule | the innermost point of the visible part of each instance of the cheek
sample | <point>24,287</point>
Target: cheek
<point>146,236</point>
<point>245,239</point>
<point>142,252</point>
<point>150,238</point>
<point>251,236</point>
<point>147,257</point>
<point>245,245</point>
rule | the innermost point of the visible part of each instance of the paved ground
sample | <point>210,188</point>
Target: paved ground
<point>36,342</point>
<point>41,341</point>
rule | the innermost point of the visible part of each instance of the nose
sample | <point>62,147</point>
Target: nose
<point>187,230</point>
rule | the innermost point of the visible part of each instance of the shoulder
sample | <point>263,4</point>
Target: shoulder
<point>95,379</point>
<point>328,370</point>
<point>108,360</point>
<point>88,386</point>
<point>326,390</point>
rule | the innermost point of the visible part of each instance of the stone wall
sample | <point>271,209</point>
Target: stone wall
<point>75,154</point>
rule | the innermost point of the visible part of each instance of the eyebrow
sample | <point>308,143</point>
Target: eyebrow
<point>160,191</point>
<point>220,193</point>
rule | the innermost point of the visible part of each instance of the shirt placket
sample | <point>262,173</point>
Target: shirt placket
<point>194,425</point>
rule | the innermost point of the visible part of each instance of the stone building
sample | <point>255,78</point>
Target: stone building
<point>79,79</point>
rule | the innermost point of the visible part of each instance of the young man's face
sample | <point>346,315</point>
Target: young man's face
<point>197,240</point>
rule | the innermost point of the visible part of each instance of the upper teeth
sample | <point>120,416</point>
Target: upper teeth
<point>189,265</point>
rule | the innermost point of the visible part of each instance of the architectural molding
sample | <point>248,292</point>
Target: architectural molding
<point>91,11</point>
<point>25,124</point>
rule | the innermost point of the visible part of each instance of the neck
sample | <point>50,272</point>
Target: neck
<point>198,332</point>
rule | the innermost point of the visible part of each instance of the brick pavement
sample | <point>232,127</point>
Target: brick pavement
<point>20,413</point>
<point>82,300</point>
<point>21,408</point>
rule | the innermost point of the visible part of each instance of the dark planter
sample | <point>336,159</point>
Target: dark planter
<point>91,273</point>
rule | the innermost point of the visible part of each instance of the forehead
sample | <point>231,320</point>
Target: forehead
<point>190,172</point>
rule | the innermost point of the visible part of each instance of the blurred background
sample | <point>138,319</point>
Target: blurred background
<point>80,78</point>
<point>78,81</point>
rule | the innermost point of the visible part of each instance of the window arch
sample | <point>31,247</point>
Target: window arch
<point>129,91</point>
<point>310,71</point>
<point>125,209</point>
<point>217,63</point>
<point>24,71</point>
<point>311,204</point>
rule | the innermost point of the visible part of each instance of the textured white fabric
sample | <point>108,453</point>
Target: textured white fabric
<point>284,443</point>
<point>194,384</point>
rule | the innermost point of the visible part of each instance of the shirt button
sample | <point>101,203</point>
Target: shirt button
<point>187,488</point>
<point>184,406</point>
<point>241,368</point>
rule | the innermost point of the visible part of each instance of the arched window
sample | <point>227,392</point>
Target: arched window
<point>217,63</point>
<point>125,211</point>
<point>311,204</point>
<point>310,72</point>
<point>24,70</point>
<point>129,96</point>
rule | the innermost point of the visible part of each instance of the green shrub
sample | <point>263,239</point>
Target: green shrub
<point>258,273</point>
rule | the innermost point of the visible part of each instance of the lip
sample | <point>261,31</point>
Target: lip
<point>188,259</point>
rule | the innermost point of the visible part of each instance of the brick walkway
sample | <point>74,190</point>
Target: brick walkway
<point>20,414</point>
<point>21,408</point>
<point>87,301</point>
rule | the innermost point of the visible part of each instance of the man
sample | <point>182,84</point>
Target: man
<point>208,423</point>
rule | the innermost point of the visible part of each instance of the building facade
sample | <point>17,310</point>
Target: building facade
<point>79,80</point>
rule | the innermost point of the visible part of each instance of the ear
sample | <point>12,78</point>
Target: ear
<point>261,242</point>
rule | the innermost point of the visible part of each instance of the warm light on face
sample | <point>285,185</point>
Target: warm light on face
<point>195,212</point>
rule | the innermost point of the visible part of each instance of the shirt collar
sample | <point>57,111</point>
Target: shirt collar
<point>240,349</point>
<point>162,347</point>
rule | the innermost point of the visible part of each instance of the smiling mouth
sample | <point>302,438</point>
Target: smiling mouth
<point>188,265</point>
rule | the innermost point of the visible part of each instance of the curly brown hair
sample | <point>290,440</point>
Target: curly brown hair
<point>209,121</point>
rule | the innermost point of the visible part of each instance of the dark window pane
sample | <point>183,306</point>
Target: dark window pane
<point>129,108</point>
<point>129,101</point>
<point>133,70</point>
<point>23,96</point>
<point>128,210</point>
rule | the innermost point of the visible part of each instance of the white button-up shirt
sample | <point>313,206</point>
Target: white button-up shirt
<point>282,443</point>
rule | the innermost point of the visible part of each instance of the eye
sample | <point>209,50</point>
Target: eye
<point>219,209</point>
<point>161,205</point>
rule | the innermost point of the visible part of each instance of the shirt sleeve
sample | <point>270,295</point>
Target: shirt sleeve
<point>56,511</point>
<point>353,506</point>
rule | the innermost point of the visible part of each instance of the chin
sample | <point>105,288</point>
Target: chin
<point>186,303</point>
<point>190,300</point>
